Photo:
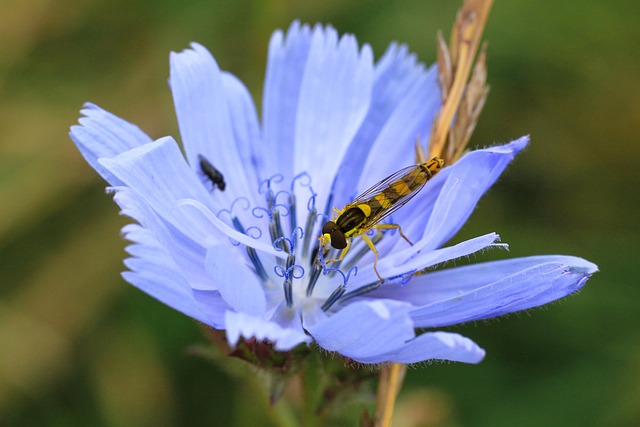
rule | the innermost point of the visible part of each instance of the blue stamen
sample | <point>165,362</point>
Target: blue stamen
<point>318,265</point>
<point>311,221</point>
<point>311,203</point>
<point>302,178</point>
<point>253,229</point>
<point>297,233</point>
<point>340,290</point>
<point>275,227</point>
<point>278,224</point>
<point>275,234</point>
<point>292,206</point>
<point>289,274</point>
<point>401,279</point>
<point>335,295</point>
<point>283,244</point>
<point>313,278</point>
<point>251,252</point>
<point>233,204</point>
<point>330,271</point>
<point>286,244</point>
<point>257,211</point>
<point>345,278</point>
<point>265,188</point>
<point>237,224</point>
<point>233,218</point>
<point>280,193</point>
<point>292,195</point>
<point>362,290</point>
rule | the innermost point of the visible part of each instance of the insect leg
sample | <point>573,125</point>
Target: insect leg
<point>369,243</point>
<point>392,226</point>
<point>342,254</point>
<point>336,213</point>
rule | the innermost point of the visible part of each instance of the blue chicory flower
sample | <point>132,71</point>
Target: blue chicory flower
<point>333,123</point>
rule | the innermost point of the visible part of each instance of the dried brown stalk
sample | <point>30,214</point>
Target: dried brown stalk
<point>462,97</point>
<point>391,378</point>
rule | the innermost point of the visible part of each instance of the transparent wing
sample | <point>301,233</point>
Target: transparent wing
<point>383,185</point>
<point>368,197</point>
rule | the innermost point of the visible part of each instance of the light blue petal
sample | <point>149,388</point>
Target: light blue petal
<point>215,304</point>
<point>334,98</point>
<point>246,128</point>
<point>363,330</point>
<point>452,195</point>
<point>187,254</point>
<point>203,115</point>
<point>101,134</point>
<point>285,317</point>
<point>243,325</point>
<point>155,273</point>
<point>486,290</point>
<point>412,258</point>
<point>434,346</point>
<point>410,122</point>
<point>238,285</point>
<point>424,289</point>
<point>214,230</point>
<point>397,75</point>
<point>157,171</point>
<point>285,69</point>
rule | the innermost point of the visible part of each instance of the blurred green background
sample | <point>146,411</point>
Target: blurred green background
<point>81,347</point>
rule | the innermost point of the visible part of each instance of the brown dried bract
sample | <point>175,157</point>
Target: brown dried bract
<point>462,96</point>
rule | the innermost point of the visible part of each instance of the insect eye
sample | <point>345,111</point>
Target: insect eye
<point>328,227</point>
<point>338,241</point>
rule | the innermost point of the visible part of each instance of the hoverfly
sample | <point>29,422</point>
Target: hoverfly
<point>366,211</point>
<point>211,172</point>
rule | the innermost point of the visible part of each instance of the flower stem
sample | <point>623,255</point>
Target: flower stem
<point>391,378</point>
<point>310,390</point>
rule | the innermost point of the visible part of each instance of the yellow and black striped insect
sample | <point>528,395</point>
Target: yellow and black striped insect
<point>211,172</point>
<point>366,211</point>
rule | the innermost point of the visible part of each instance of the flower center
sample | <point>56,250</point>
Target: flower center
<point>302,273</point>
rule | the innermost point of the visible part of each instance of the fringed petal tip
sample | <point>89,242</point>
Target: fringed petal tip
<point>578,265</point>
<point>514,146</point>
<point>492,289</point>
<point>440,346</point>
